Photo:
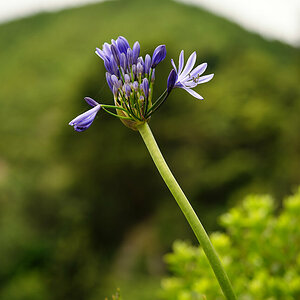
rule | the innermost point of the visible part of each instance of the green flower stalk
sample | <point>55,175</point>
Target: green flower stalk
<point>187,210</point>
<point>131,80</point>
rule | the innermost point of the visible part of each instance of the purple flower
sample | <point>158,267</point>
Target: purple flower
<point>145,87</point>
<point>123,61</point>
<point>131,77</point>
<point>171,80</point>
<point>135,85</point>
<point>130,56</point>
<point>116,54</point>
<point>139,68</point>
<point>136,51</point>
<point>84,121</point>
<point>109,81</point>
<point>127,78</point>
<point>188,78</point>
<point>123,44</point>
<point>147,63</point>
<point>159,54</point>
<point>127,90</point>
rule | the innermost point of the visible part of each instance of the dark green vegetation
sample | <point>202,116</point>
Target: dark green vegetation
<point>81,214</point>
<point>260,250</point>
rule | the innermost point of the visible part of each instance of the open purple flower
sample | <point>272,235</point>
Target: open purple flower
<point>84,121</point>
<point>188,78</point>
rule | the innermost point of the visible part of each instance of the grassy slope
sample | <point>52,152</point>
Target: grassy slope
<point>48,65</point>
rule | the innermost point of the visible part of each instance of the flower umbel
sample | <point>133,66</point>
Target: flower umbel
<point>131,77</point>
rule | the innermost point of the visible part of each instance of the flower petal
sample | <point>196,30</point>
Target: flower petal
<point>199,70</point>
<point>86,114</point>
<point>193,93</point>
<point>87,121</point>
<point>189,65</point>
<point>106,49</point>
<point>178,84</point>
<point>181,62</point>
<point>101,54</point>
<point>205,78</point>
<point>80,128</point>
<point>91,101</point>
<point>189,84</point>
<point>173,64</point>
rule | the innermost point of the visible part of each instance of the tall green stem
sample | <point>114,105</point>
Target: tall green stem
<point>187,210</point>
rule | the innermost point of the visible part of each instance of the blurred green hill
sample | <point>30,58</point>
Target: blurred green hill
<point>82,213</point>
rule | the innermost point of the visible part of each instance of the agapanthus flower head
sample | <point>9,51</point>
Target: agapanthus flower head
<point>131,77</point>
<point>187,77</point>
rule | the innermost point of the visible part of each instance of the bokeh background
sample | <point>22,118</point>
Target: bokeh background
<point>84,213</point>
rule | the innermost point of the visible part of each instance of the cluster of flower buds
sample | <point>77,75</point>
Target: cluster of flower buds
<point>131,77</point>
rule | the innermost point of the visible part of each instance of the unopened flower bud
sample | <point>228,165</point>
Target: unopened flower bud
<point>135,51</point>
<point>139,68</point>
<point>141,100</point>
<point>129,57</point>
<point>127,90</point>
<point>109,81</point>
<point>114,66</point>
<point>120,83</point>
<point>147,63</point>
<point>84,121</point>
<point>106,49</point>
<point>123,61</point>
<point>114,80</point>
<point>108,66</point>
<point>116,54</point>
<point>91,101</point>
<point>159,54</point>
<point>153,75</point>
<point>115,91</point>
<point>145,87</point>
<point>135,85</point>
<point>171,80</point>
<point>141,60</point>
<point>127,78</point>
<point>134,69</point>
<point>123,44</point>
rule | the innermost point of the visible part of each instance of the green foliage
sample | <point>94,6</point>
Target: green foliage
<point>260,250</point>
<point>116,296</point>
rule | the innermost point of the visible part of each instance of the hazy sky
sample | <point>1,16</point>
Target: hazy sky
<point>279,19</point>
<point>11,9</point>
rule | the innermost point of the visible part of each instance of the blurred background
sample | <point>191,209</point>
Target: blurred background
<point>84,213</point>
